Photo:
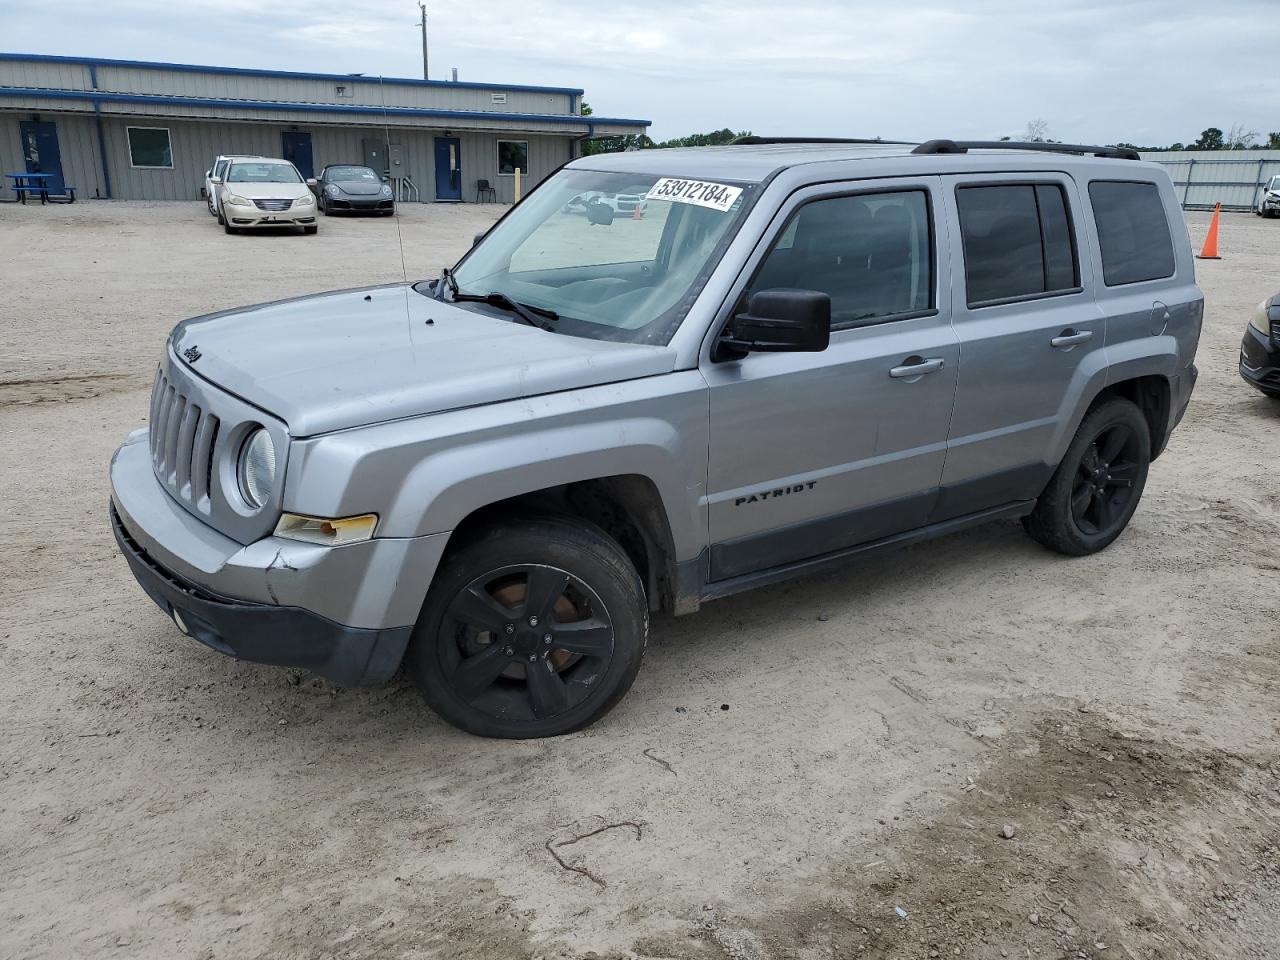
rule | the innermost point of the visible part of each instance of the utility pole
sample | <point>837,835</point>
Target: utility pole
<point>423,7</point>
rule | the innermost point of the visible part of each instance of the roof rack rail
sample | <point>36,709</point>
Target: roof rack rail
<point>757,141</point>
<point>964,146</point>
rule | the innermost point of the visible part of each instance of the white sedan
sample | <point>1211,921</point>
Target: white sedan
<point>265,193</point>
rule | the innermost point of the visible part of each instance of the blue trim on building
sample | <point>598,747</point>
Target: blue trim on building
<point>284,74</point>
<point>97,97</point>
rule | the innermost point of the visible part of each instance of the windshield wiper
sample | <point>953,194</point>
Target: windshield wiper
<point>446,279</point>
<point>527,313</point>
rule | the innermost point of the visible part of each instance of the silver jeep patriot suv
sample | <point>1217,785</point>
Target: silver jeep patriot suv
<point>795,353</point>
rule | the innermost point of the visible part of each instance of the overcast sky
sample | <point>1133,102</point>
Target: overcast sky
<point>1144,72</point>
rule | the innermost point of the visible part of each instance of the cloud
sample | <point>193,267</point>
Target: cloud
<point>1137,71</point>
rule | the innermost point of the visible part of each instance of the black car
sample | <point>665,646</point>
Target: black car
<point>1260,351</point>
<point>344,187</point>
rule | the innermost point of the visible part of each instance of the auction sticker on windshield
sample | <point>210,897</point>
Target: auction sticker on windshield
<point>717,196</point>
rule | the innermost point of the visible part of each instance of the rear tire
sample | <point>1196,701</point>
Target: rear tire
<point>536,628</point>
<point>1098,484</point>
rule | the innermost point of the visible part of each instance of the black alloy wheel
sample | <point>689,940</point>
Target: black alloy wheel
<point>1105,478</point>
<point>534,629</point>
<point>525,642</point>
<point>1097,486</point>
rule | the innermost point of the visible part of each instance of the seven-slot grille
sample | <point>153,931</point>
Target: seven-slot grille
<point>273,205</point>
<point>182,442</point>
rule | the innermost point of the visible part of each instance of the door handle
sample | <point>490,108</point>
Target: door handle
<point>1069,338</point>
<point>915,367</point>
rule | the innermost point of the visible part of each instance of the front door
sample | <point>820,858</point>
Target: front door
<point>448,169</point>
<point>40,149</point>
<point>812,453</point>
<point>297,150</point>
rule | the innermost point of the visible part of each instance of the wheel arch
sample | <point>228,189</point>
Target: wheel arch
<point>628,507</point>
<point>1152,394</point>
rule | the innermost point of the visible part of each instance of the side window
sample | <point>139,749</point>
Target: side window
<point>1133,233</point>
<point>1017,242</point>
<point>871,253</point>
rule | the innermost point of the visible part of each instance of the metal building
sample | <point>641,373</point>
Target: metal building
<point>132,130</point>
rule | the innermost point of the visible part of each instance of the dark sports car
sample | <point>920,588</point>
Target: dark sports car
<point>1260,351</point>
<point>344,188</point>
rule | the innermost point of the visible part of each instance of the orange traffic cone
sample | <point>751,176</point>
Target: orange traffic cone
<point>1210,249</point>
<point>636,214</point>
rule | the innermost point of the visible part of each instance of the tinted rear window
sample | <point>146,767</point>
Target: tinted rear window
<point>1133,233</point>
<point>1017,242</point>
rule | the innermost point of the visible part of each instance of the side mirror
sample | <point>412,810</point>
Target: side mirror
<point>312,182</point>
<point>599,213</point>
<point>783,321</point>
<point>215,180</point>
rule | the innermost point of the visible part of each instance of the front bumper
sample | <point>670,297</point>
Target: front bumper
<point>360,204</point>
<point>295,216</point>
<point>1260,361</point>
<point>262,633</point>
<point>345,613</point>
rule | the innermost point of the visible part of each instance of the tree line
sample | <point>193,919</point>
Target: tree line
<point>1037,131</point>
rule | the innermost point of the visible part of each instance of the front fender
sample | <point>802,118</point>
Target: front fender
<point>425,475</point>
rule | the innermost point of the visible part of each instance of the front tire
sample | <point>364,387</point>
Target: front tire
<point>1098,484</point>
<point>311,230</point>
<point>229,228</point>
<point>534,629</point>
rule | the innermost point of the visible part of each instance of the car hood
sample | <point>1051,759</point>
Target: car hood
<point>269,191</point>
<point>358,188</point>
<point>356,357</point>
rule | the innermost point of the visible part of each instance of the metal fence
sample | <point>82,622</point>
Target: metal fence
<point>1234,178</point>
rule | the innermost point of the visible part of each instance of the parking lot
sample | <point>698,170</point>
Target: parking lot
<point>817,770</point>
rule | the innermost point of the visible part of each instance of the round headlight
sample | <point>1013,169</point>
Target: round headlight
<point>257,468</point>
<point>332,189</point>
<point>386,190</point>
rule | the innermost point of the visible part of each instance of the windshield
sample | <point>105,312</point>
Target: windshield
<point>1274,184</point>
<point>617,256</point>
<point>351,173</point>
<point>263,173</point>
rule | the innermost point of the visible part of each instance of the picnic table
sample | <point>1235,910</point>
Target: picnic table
<point>25,184</point>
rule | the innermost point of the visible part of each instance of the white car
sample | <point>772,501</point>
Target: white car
<point>1269,199</point>
<point>622,204</point>
<point>264,192</point>
<point>219,169</point>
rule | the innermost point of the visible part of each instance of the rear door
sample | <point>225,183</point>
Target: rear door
<point>815,452</point>
<point>1028,326</point>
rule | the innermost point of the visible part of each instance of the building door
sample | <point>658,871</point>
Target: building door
<point>297,150</point>
<point>40,149</point>
<point>448,169</point>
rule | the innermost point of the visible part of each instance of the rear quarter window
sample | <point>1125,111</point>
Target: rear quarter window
<point>1133,232</point>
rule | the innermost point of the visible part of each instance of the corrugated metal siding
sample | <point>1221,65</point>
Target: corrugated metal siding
<point>364,91</point>
<point>1233,178</point>
<point>77,147</point>
<point>174,109</point>
<point>196,143</point>
<point>51,76</point>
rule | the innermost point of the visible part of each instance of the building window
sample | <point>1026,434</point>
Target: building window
<point>150,147</point>
<point>498,97</point>
<point>513,154</point>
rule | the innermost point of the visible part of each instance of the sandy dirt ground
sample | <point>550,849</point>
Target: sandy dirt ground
<point>823,769</point>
